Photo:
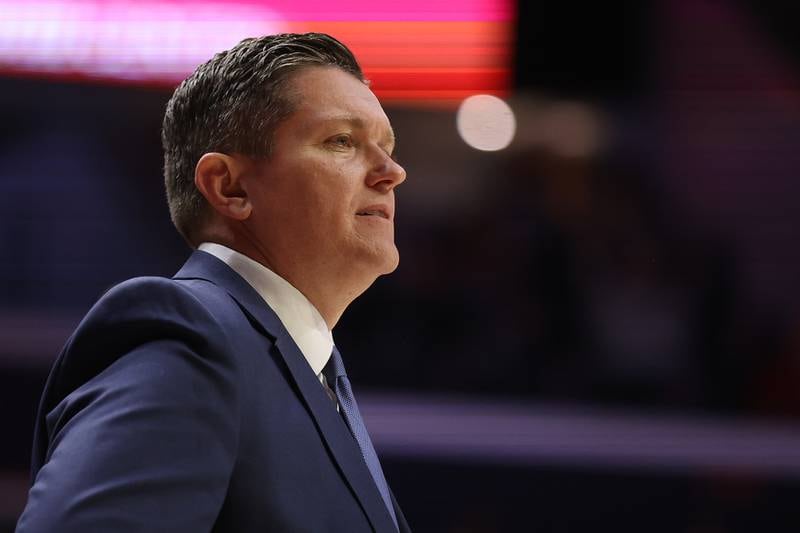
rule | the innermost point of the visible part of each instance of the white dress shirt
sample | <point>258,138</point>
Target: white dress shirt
<point>299,316</point>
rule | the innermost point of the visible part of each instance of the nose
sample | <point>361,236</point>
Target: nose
<point>386,174</point>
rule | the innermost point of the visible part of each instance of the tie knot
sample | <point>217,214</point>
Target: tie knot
<point>334,368</point>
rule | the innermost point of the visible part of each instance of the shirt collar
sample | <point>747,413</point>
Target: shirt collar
<point>299,316</point>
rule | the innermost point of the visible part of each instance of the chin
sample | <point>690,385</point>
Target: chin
<point>382,259</point>
<point>392,262</point>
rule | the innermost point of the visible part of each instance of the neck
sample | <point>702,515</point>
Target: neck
<point>330,290</point>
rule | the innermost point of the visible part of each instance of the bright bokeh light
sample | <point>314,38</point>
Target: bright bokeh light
<point>486,122</point>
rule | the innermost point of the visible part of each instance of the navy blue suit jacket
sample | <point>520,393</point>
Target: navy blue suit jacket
<point>183,405</point>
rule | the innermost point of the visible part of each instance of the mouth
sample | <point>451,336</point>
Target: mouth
<point>380,212</point>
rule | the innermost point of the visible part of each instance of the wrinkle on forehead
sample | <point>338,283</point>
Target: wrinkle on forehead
<point>319,100</point>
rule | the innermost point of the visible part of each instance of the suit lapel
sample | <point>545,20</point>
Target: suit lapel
<point>337,437</point>
<point>402,523</point>
<point>340,441</point>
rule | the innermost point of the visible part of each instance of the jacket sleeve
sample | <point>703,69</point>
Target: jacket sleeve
<point>139,419</point>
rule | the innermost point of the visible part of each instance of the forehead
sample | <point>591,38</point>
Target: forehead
<point>328,94</point>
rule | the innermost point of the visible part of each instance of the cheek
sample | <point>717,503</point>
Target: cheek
<point>320,195</point>
<point>332,192</point>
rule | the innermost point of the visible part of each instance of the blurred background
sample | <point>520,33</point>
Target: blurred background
<point>595,325</point>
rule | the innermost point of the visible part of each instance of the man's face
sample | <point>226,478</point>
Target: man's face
<point>325,197</point>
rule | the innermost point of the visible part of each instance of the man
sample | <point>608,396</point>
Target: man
<point>216,400</point>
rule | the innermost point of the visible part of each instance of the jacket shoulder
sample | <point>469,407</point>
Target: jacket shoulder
<point>133,314</point>
<point>145,378</point>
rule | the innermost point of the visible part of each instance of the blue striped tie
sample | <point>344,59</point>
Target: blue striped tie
<point>337,378</point>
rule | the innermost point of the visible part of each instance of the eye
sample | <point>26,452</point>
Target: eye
<point>341,141</point>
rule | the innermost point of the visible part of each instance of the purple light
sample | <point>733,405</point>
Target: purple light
<point>144,40</point>
<point>478,431</point>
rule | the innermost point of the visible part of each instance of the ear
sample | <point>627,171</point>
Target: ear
<point>218,177</point>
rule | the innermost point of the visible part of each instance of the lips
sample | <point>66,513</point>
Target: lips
<point>375,211</point>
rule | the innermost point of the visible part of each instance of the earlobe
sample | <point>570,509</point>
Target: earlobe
<point>218,178</point>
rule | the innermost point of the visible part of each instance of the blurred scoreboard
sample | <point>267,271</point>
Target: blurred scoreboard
<point>417,51</point>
